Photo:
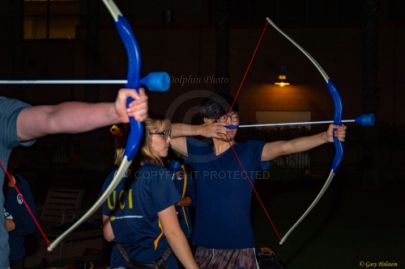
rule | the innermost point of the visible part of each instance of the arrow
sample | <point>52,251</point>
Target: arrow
<point>366,120</point>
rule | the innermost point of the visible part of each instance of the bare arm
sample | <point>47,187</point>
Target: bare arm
<point>69,117</point>
<point>108,232</point>
<point>75,117</point>
<point>277,149</point>
<point>180,131</point>
<point>176,238</point>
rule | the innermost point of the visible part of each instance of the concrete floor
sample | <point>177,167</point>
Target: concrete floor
<point>351,227</point>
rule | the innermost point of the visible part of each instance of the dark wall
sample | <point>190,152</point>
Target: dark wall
<point>185,47</point>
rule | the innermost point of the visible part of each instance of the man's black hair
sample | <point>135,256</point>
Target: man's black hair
<point>215,106</point>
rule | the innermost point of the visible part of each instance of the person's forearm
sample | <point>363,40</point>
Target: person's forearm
<point>74,117</point>
<point>69,117</point>
<point>180,247</point>
<point>306,143</point>
<point>108,232</point>
<point>182,130</point>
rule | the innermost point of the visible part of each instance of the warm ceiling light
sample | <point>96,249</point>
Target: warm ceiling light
<point>282,78</point>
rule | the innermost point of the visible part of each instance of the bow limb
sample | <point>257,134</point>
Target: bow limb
<point>136,132</point>
<point>120,172</point>
<point>337,119</point>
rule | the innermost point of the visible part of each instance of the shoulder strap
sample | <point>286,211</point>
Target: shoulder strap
<point>161,263</point>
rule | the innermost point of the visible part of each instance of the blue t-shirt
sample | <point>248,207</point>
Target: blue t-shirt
<point>223,194</point>
<point>133,209</point>
<point>24,224</point>
<point>9,110</point>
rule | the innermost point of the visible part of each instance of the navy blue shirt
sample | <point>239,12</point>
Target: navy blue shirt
<point>223,194</point>
<point>24,223</point>
<point>133,209</point>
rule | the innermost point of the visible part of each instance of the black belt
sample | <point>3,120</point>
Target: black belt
<point>159,264</point>
<point>138,265</point>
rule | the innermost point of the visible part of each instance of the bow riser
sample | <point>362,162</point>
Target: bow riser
<point>136,130</point>
<point>134,69</point>
<point>337,121</point>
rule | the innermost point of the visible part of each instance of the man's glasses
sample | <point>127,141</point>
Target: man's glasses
<point>233,116</point>
<point>165,133</point>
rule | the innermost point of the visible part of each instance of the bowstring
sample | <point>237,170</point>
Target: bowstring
<point>240,163</point>
<point>47,241</point>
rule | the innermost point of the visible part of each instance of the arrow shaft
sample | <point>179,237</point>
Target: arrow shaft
<point>293,123</point>
<point>65,81</point>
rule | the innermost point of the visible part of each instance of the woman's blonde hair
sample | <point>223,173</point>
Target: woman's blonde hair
<point>151,126</point>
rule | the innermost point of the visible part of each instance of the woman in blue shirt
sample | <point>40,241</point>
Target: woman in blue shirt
<point>140,215</point>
